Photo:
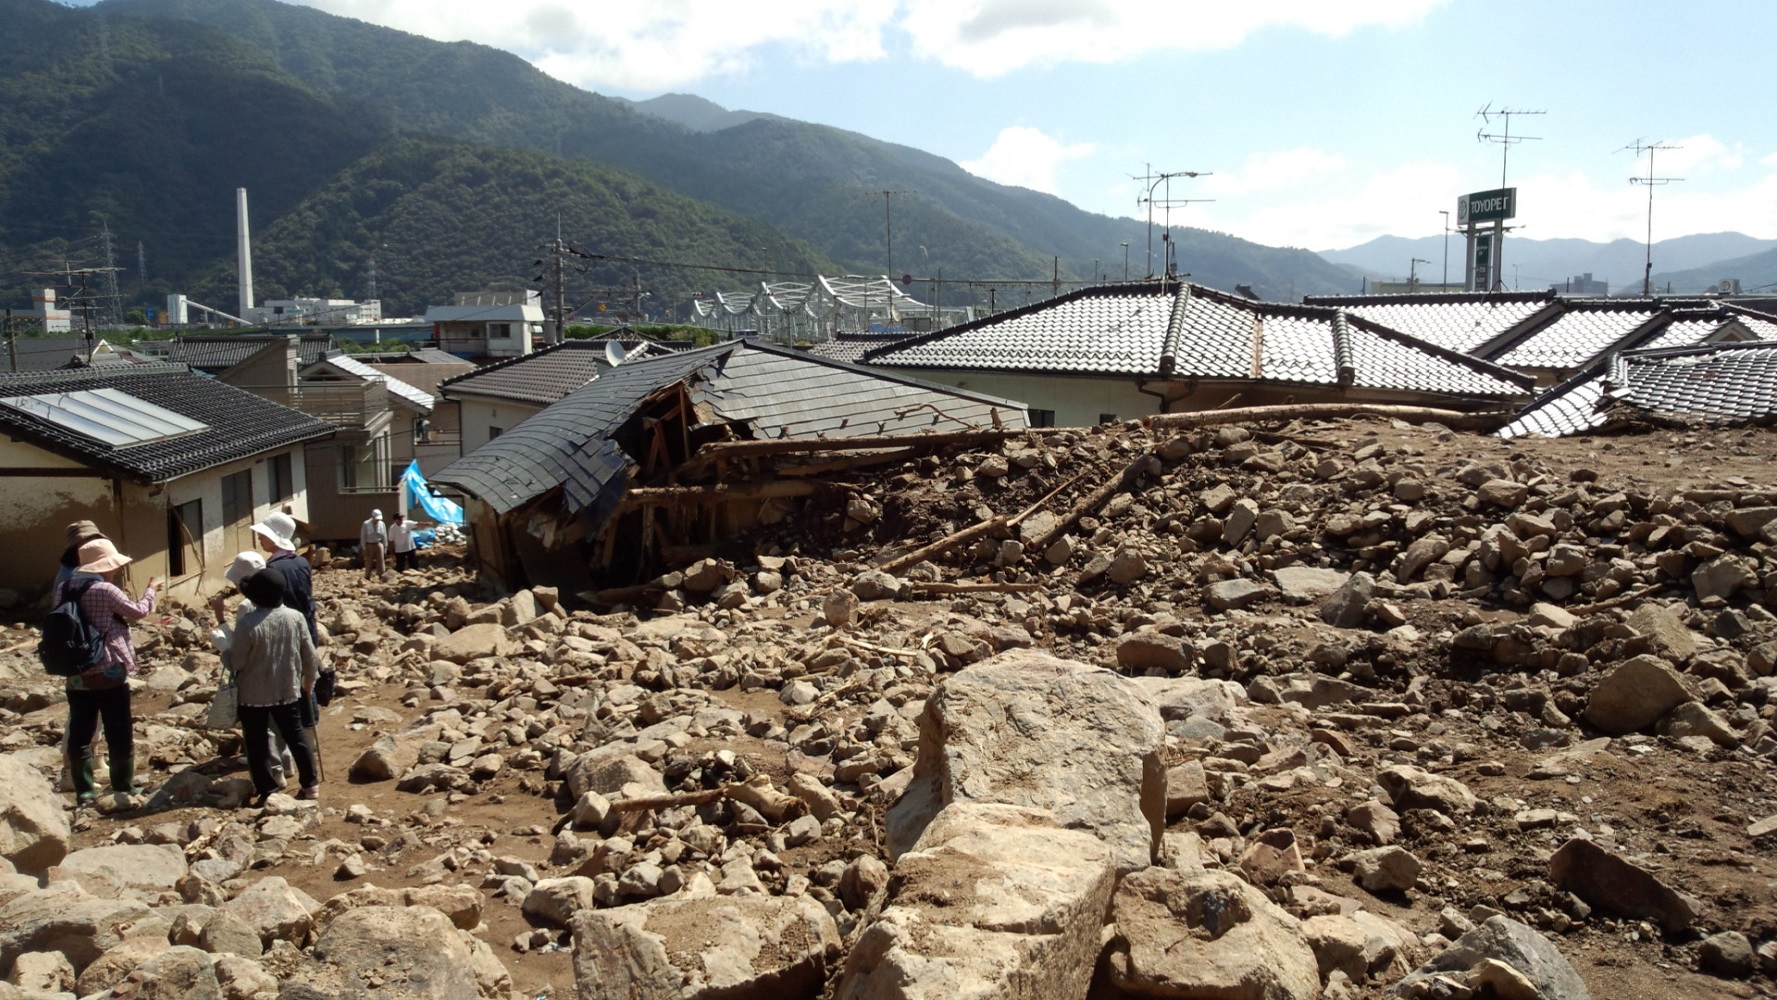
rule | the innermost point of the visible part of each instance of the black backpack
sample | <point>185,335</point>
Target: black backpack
<point>71,645</point>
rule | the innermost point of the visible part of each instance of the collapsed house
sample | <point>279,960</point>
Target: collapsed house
<point>1116,352</point>
<point>1706,383</point>
<point>627,474</point>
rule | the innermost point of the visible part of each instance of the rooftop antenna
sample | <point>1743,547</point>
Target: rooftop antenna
<point>1504,137</point>
<point>1650,182</point>
<point>1153,181</point>
<point>1413,273</point>
<point>888,228</point>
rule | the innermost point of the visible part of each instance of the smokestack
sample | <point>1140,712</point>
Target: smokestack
<point>245,250</point>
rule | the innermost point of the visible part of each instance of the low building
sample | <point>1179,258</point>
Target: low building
<point>555,500</point>
<point>1118,352</point>
<point>488,324</point>
<point>44,313</point>
<point>440,441</point>
<point>171,465</point>
<point>496,398</point>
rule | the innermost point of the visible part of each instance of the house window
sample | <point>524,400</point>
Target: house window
<point>185,537</point>
<point>1042,418</point>
<point>348,466</point>
<point>500,331</point>
<point>237,504</point>
<point>494,432</point>
<point>281,484</point>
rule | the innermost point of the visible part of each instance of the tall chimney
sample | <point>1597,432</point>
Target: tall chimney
<point>244,249</point>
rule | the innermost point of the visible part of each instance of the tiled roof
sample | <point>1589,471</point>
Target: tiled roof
<point>1187,331</point>
<point>240,424</point>
<point>538,378</point>
<point>218,354</point>
<point>36,354</point>
<point>1585,329</point>
<point>852,347</point>
<point>1732,381</point>
<point>1459,321</point>
<point>431,356</point>
<point>778,392</point>
<point>414,397</point>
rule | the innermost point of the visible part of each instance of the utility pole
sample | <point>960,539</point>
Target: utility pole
<point>1413,273</point>
<point>141,266</point>
<point>1125,260</point>
<point>1445,286</point>
<point>113,301</point>
<point>1505,140</point>
<point>888,228</point>
<point>1650,182</point>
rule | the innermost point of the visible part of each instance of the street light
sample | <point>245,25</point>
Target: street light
<point>1446,214</point>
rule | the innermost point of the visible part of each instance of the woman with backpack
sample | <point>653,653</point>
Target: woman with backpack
<point>102,692</point>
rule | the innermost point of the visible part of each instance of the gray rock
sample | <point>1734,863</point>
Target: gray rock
<point>1386,869</point>
<point>1635,695</point>
<point>33,827</point>
<point>139,866</point>
<point>1025,728</point>
<point>1503,493</point>
<point>1619,887</point>
<point>1154,650</point>
<point>1307,584</point>
<point>412,952</point>
<point>1345,608</point>
<point>1724,576</point>
<point>1206,933</point>
<point>1666,631</point>
<point>875,585</point>
<point>1232,595</point>
<point>1410,787</point>
<point>1727,954</point>
<point>1503,939</point>
<point>706,948</point>
<point>62,918</point>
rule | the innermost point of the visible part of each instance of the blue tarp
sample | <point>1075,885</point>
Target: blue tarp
<point>420,498</point>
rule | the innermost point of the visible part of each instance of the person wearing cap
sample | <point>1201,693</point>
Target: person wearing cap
<point>103,692</point>
<point>401,544</point>
<point>79,533</point>
<point>277,539</point>
<point>373,541</point>
<point>275,667</point>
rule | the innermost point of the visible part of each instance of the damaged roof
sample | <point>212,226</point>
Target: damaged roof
<point>1708,382</point>
<point>1184,331</point>
<point>1459,321</point>
<point>236,423</point>
<point>550,373</point>
<point>220,353</point>
<point>777,392</point>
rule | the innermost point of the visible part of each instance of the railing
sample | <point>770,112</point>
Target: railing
<point>346,404</point>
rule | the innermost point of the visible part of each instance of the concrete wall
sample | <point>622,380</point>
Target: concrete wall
<point>1077,401</point>
<point>478,416</point>
<point>40,507</point>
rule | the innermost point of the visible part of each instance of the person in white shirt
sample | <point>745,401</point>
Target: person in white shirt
<point>373,541</point>
<point>401,544</point>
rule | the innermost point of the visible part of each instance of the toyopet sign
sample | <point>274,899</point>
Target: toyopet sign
<point>1487,206</point>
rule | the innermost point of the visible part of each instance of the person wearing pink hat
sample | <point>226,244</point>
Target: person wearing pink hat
<point>103,692</point>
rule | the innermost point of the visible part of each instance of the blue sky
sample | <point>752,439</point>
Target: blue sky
<point>1321,123</point>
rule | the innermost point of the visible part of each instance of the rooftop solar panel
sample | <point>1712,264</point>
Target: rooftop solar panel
<point>108,416</point>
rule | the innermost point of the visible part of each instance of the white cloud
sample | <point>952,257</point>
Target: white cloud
<point>642,46</point>
<point>1026,157</point>
<point>666,44</point>
<point>1274,171</point>
<point>1332,214</point>
<point>993,37</point>
<point>1769,160</point>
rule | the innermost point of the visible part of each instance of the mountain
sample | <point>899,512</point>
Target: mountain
<point>694,112</point>
<point>1545,263</point>
<point>819,184</point>
<point>1755,272</point>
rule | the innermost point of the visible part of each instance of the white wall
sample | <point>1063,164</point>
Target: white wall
<point>1077,401</point>
<point>479,415</point>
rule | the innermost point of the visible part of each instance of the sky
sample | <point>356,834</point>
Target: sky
<point>1311,123</point>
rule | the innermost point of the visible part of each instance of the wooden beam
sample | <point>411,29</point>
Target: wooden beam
<point>1328,411</point>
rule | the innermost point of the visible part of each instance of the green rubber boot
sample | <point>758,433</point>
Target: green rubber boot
<point>123,774</point>
<point>80,771</point>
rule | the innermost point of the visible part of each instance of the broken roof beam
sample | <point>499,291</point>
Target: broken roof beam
<point>724,450</point>
<point>1455,419</point>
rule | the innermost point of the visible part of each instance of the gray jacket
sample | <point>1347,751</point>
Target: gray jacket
<point>272,657</point>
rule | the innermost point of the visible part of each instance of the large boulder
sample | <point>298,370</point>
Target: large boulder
<point>995,902</point>
<point>1028,729</point>
<point>1618,886</point>
<point>33,826</point>
<point>728,947</point>
<point>609,770</point>
<point>276,910</point>
<point>1411,787</point>
<point>65,919</point>
<point>1636,695</point>
<point>138,866</point>
<point>472,642</point>
<point>1207,933</point>
<point>1500,939</point>
<point>410,952</point>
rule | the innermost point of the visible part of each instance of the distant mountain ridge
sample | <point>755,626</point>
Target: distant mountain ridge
<point>341,90</point>
<point>1691,263</point>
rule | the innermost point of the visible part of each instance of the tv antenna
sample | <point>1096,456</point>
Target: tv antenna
<point>1504,137</point>
<point>1650,182</point>
<point>1413,273</point>
<point>1153,181</point>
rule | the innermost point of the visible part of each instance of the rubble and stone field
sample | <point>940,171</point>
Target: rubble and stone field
<point>1346,709</point>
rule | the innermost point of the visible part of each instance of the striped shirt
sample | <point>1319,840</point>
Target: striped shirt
<point>109,609</point>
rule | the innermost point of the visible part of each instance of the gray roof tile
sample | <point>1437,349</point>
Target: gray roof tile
<point>1458,321</point>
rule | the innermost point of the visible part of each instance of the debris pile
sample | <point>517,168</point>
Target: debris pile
<point>1321,709</point>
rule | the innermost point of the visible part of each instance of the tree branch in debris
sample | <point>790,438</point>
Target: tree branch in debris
<point>1328,411</point>
<point>1143,463</point>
